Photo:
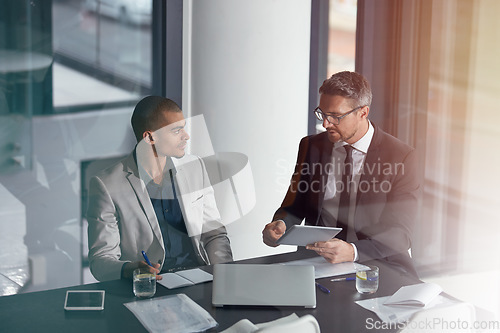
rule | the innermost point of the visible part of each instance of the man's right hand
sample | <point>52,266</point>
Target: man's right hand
<point>128,269</point>
<point>272,232</point>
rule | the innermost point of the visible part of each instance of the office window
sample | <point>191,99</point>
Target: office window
<point>102,52</point>
<point>336,39</point>
<point>459,231</point>
<point>341,36</point>
<point>461,131</point>
<point>433,69</point>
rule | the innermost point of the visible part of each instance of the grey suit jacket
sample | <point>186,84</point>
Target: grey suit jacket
<point>122,221</point>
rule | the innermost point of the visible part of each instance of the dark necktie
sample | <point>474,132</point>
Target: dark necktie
<point>343,216</point>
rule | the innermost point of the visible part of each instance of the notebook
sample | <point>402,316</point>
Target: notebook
<point>264,285</point>
<point>188,277</point>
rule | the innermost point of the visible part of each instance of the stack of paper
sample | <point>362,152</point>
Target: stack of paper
<point>246,326</point>
<point>406,302</point>
<point>291,323</point>
<point>176,313</point>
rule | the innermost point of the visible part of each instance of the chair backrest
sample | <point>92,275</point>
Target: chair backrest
<point>304,324</point>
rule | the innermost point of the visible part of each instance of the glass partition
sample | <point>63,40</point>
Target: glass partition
<point>25,77</point>
<point>25,89</point>
<point>71,72</point>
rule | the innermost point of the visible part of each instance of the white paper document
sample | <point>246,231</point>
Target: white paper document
<point>400,314</point>
<point>175,313</point>
<point>417,295</point>
<point>323,268</point>
<point>185,278</point>
<point>246,326</point>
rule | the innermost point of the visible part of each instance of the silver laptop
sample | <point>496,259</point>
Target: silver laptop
<point>264,285</point>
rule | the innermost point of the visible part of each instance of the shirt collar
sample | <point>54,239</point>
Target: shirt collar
<point>362,144</point>
<point>146,177</point>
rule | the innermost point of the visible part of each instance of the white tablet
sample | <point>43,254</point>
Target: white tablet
<point>302,235</point>
<point>84,300</point>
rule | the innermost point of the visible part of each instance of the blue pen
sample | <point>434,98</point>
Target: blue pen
<point>323,288</point>
<point>344,279</point>
<point>146,258</point>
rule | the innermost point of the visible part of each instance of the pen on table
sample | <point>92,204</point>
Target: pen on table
<point>323,288</point>
<point>343,279</point>
<point>146,258</point>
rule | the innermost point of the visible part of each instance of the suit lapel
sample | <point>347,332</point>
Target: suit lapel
<point>370,162</point>
<point>139,188</point>
<point>186,192</point>
<point>326,149</point>
<point>180,179</point>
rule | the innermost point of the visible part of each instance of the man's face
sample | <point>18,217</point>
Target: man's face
<point>171,139</point>
<point>350,127</point>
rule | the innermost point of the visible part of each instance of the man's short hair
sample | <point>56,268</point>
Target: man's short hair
<point>351,85</point>
<point>148,116</point>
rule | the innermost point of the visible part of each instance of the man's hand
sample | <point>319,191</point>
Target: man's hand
<point>334,251</point>
<point>272,232</point>
<point>129,268</point>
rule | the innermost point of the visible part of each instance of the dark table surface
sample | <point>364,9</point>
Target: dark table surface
<point>336,312</point>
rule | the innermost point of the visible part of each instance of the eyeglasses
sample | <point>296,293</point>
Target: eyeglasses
<point>333,119</point>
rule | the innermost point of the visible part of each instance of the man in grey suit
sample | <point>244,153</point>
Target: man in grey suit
<point>354,176</point>
<point>158,200</point>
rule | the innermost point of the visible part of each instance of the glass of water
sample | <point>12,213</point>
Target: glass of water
<point>144,283</point>
<point>367,279</point>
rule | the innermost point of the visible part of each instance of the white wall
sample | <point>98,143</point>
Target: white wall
<point>246,69</point>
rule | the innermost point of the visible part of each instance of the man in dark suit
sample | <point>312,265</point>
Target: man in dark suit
<point>353,176</point>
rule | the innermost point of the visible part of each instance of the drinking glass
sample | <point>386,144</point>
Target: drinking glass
<point>367,279</point>
<point>144,283</point>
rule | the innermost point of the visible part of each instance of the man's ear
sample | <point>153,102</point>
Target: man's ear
<point>148,137</point>
<point>365,111</point>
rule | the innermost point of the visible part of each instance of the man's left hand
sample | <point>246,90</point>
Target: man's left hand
<point>334,251</point>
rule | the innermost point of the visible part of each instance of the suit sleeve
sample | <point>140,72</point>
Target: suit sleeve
<point>103,233</point>
<point>214,236</point>
<point>294,206</point>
